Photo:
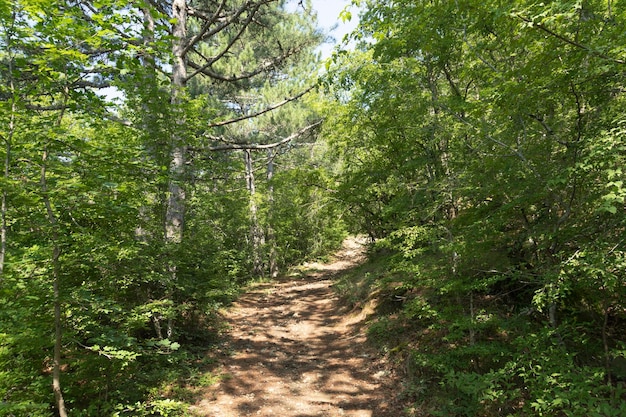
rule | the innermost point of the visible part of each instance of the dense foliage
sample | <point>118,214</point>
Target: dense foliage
<point>481,145</point>
<point>126,214</point>
<point>158,154</point>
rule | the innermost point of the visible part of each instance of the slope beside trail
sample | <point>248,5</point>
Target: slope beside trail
<point>296,353</point>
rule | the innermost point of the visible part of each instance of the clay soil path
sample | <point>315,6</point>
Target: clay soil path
<point>297,353</point>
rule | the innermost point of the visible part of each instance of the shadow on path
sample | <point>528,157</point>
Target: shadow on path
<point>297,354</point>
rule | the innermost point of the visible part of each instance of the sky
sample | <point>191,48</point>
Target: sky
<point>328,17</point>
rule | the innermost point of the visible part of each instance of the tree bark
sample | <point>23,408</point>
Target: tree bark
<point>605,340</point>
<point>256,235</point>
<point>8,141</point>
<point>58,328</point>
<point>174,217</point>
<point>4,208</point>
<point>271,238</point>
<point>175,201</point>
<point>148,123</point>
<point>56,275</point>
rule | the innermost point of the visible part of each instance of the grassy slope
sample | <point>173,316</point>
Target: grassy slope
<point>481,354</point>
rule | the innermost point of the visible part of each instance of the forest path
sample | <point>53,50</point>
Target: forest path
<point>297,353</point>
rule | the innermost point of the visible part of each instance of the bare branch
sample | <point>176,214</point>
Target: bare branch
<point>543,124</point>
<point>115,118</point>
<point>204,31</point>
<point>93,84</point>
<point>227,48</point>
<point>244,76</point>
<point>234,17</point>
<point>266,110</point>
<point>254,146</point>
<point>516,152</point>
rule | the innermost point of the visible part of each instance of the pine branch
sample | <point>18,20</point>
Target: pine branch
<point>254,146</point>
<point>204,31</point>
<point>230,44</point>
<point>261,112</point>
<point>246,75</point>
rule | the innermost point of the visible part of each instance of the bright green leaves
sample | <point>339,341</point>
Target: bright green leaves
<point>612,145</point>
<point>587,26</point>
<point>103,199</point>
<point>164,345</point>
<point>614,199</point>
<point>345,15</point>
<point>483,143</point>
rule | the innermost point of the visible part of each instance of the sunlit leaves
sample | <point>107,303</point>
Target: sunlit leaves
<point>483,142</point>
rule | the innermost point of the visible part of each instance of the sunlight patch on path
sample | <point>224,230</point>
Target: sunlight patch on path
<point>296,353</point>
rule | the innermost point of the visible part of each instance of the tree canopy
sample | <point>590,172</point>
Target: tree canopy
<point>483,144</point>
<point>158,155</point>
<point>126,216</point>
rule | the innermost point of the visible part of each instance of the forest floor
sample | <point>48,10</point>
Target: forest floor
<point>293,350</point>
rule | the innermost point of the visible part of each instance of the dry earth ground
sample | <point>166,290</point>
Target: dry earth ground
<point>295,352</point>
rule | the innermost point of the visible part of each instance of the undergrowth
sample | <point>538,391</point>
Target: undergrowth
<point>161,380</point>
<point>481,353</point>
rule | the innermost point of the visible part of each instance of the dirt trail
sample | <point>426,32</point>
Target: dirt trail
<point>296,353</point>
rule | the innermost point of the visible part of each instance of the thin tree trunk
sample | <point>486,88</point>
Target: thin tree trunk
<point>605,340</point>
<point>4,208</point>
<point>174,217</point>
<point>271,238</point>
<point>7,167</point>
<point>552,315</point>
<point>147,60</point>
<point>56,277</point>
<point>256,236</point>
<point>175,203</point>
<point>56,253</point>
<point>58,336</point>
<point>472,335</point>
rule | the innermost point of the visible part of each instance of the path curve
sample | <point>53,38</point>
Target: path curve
<point>296,353</point>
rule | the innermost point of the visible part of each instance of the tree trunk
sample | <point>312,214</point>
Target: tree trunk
<point>605,341</point>
<point>271,238</point>
<point>58,335</point>
<point>175,202</point>
<point>58,329</point>
<point>148,124</point>
<point>4,208</point>
<point>256,235</point>
<point>174,216</point>
<point>7,166</point>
